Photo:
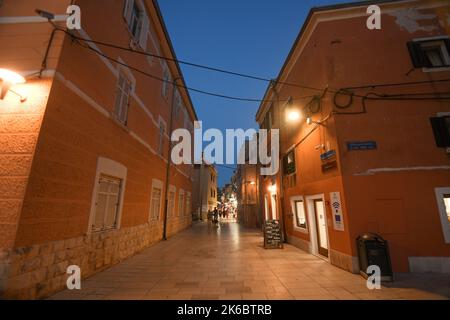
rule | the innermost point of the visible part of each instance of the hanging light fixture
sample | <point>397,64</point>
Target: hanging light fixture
<point>10,78</point>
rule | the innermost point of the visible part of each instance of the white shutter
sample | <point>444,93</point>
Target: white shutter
<point>128,10</point>
<point>144,32</point>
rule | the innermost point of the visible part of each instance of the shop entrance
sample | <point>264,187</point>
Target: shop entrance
<point>318,225</point>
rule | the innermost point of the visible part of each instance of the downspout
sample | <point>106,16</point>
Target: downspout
<point>283,226</point>
<point>169,159</point>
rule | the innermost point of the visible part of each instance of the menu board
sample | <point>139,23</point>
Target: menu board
<point>273,238</point>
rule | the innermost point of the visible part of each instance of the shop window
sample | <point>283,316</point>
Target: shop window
<point>299,213</point>
<point>443,200</point>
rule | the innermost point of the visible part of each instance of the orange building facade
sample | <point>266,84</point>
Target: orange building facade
<point>352,164</point>
<point>83,161</point>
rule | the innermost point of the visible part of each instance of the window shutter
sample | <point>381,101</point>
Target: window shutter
<point>447,45</point>
<point>100,208</point>
<point>128,10</point>
<point>416,53</point>
<point>441,131</point>
<point>144,32</point>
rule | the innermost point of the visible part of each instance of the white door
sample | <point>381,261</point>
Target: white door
<point>321,227</point>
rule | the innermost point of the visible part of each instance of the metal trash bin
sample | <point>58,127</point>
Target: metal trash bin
<point>374,250</point>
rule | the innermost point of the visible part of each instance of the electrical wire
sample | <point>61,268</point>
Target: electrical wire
<point>243,75</point>
<point>196,65</point>
<point>179,85</point>
<point>347,90</point>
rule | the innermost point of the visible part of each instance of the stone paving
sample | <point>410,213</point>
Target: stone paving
<point>205,262</point>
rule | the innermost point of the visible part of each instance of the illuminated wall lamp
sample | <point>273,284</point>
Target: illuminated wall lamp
<point>10,78</point>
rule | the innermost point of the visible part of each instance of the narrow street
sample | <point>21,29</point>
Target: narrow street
<point>205,262</point>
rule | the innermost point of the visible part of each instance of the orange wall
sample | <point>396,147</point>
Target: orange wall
<point>400,206</point>
<point>19,129</point>
<point>74,133</point>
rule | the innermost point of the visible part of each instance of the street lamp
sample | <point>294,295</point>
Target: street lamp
<point>293,115</point>
<point>272,188</point>
<point>10,78</point>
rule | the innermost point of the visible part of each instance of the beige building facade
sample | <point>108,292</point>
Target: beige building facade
<point>204,190</point>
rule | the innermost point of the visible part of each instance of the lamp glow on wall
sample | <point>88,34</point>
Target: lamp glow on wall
<point>293,115</point>
<point>272,188</point>
<point>8,79</point>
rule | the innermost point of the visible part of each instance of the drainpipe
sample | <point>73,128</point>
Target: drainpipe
<point>169,159</point>
<point>283,226</point>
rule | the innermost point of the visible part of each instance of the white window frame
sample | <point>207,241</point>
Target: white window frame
<point>114,169</point>
<point>124,72</point>
<point>143,22</point>
<point>156,184</point>
<point>161,136</point>
<point>171,210</point>
<point>295,199</point>
<point>181,202</point>
<point>440,192</point>
<point>167,79</point>
<point>445,53</point>
<point>178,104</point>
<point>187,209</point>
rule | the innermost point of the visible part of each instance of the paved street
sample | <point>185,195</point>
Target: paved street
<point>230,263</point>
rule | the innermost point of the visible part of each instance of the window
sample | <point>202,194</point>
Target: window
<point>137,21</point>
<point>433,53</point>
<point>181,203</point>
<point>161,136</point>
<point>441,130</point>
<point>155,202</point>
<point>188,204</point>
<point>299,214</point>
<point>107,203</point>
<point>443,200</point>
<point>124,87</point>
<point>166,82</point>
<point>177,104</point>
<point>289,163</point>
<point>171,203</point>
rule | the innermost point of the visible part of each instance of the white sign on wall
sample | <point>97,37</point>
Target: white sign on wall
<point>336,208</point>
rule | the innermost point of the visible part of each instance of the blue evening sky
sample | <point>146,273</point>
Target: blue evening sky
<point>248,36</point>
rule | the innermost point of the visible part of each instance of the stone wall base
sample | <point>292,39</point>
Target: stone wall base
<point>344,261</point>
<point>39,271</point>
<point>299,243</point>
<point>429,264</point>
<point>339,259</point>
